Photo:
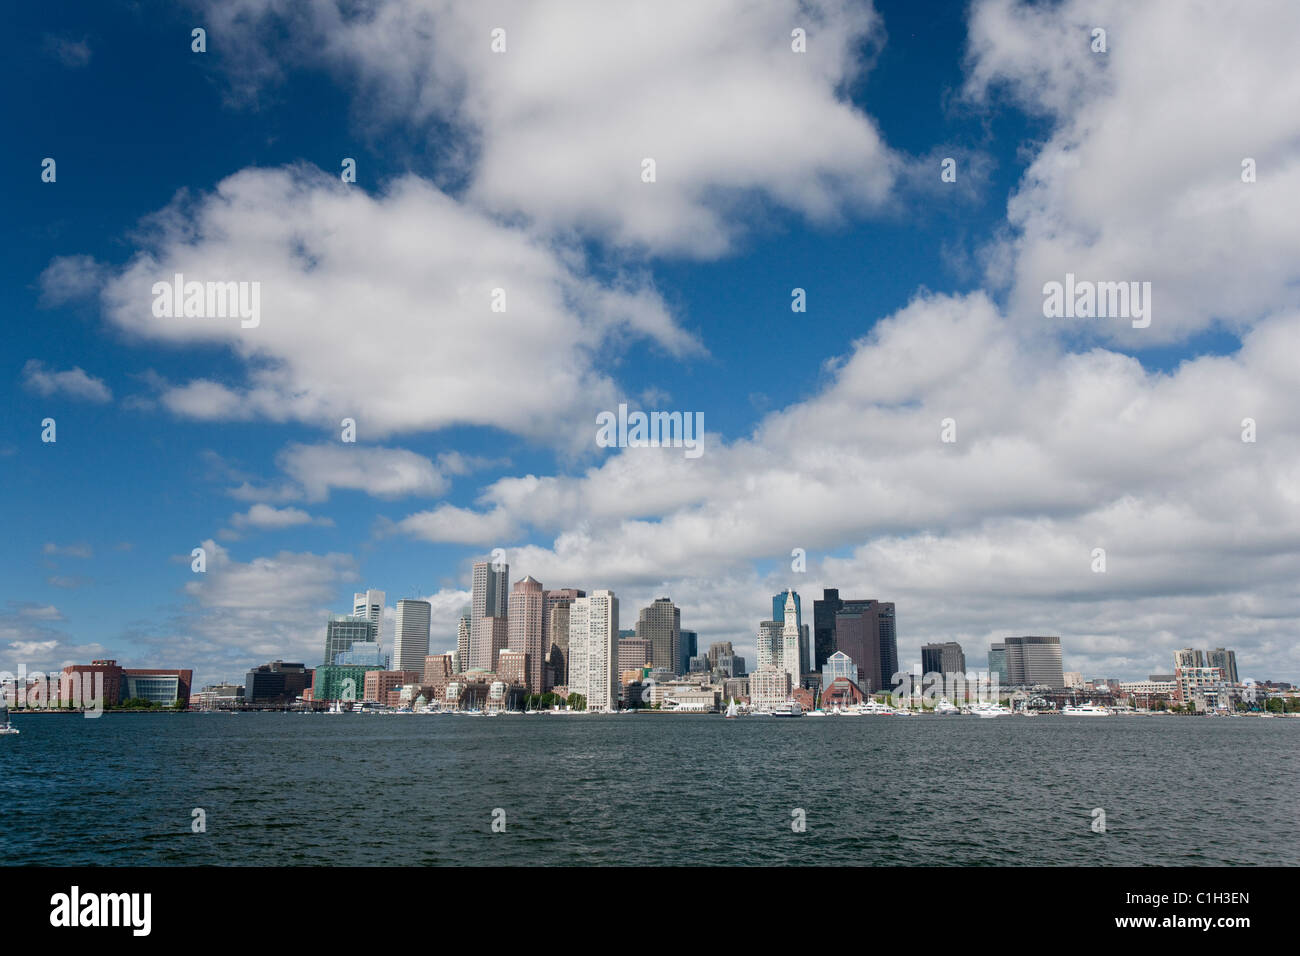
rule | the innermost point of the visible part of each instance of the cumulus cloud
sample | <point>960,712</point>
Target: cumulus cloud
<point>561,121</point>
<point>73,383</point>
<point>379,309</point>
<point>267,517</point>
<point>1140,178</point>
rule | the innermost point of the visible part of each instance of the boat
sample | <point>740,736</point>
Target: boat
<point>5,726</point>
<point>1085,710</point>
<point>988,709</point>
<point>732,712</point>
<point>945,707</point>
<point>816,713</point>
<point>790,708</point>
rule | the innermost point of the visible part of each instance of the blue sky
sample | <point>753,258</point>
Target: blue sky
<point>820,436</point>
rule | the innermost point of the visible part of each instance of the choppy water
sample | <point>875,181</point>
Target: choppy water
<point>283,789</point>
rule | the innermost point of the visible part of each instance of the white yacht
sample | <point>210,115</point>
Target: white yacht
<point>876,708</point>
<point>989,709</point>
<point>5,726</point>
<point>790,708</point>
<point>946,707</point>
<point>1085,710</point>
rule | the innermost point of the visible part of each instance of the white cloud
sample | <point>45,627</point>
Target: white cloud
<point>74,383</point>
<point>379,309</point>
<point>1140,178</point>
<point>266,517</point>
<point>586,89</point>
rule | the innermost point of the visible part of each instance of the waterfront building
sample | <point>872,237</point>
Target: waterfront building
<point>593,624</point>
<point>377,684</point>
<point>661,625</point>
<point>344,630</point>
<point>769,687</point>
<point>344,682</point>
<point>946,658</point>
<point>838,665</point>
<point>488,606</point>
<point>411,635</point>
<point>527,605</point>
<point>1034,661</point>
<point>1200,686</point>
<point>512,667</point>
<point>276,683</point>
<point>165,687</point>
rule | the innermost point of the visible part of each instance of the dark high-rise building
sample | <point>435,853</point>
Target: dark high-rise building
<point>998,663</point>
<point>872,642</point>
<point>856,635</point>
<point>688,647</point>
<point>888,631</point>
<point>946,658</point>
<point>824,612</point>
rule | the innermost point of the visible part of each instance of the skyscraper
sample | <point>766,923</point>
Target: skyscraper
<point>557,597</point>
<point>857,634</point>
<point>1226,661</point>
<point>661,625</point>
<point>462,641</point>
<point>946,658</point>
<point>526,629</point>
<point>370,604</point>
<point>790,635</point>
<point>824,612</point>
<point>593,630</point>
<point>998,664</point>
<point>1188,657</point>
<point>1034,661</point>
<point>411,635</point>
<point>344,630</point>
<point>688,647</point>
<point>487,605</point>
<point>769,643</point>
<point>557,658</point>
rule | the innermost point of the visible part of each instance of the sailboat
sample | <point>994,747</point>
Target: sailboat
<point>5,727</point>
<point>732,711</point>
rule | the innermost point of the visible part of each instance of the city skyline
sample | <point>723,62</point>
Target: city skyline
<point>847,292</point>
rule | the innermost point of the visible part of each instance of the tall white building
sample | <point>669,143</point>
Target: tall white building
<point>769,643</point>
<point>593,649</point>
<point>790,640</point>
<point>370,605</point>
<point>411,636</point>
